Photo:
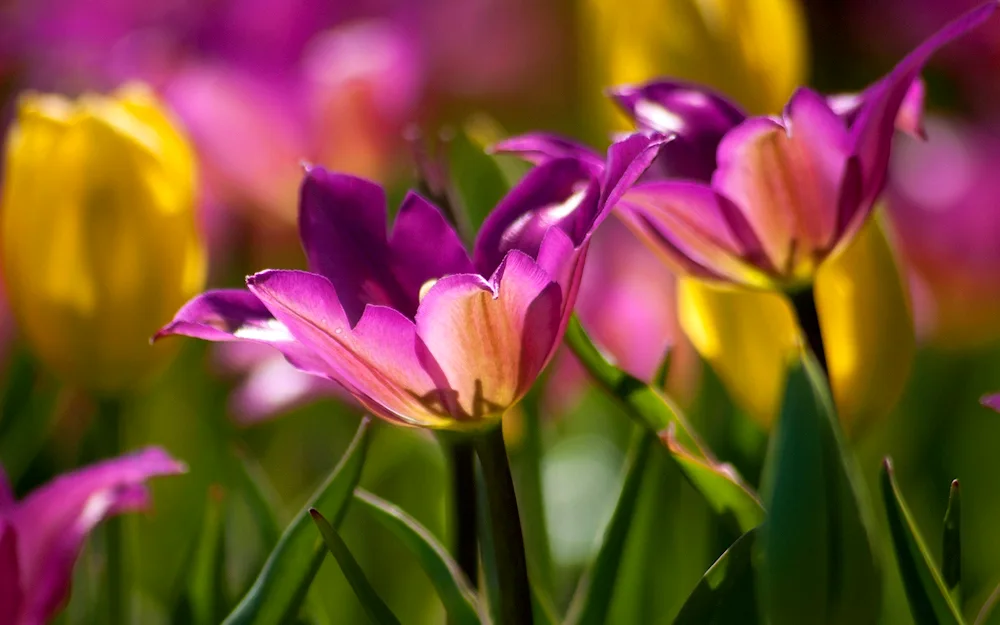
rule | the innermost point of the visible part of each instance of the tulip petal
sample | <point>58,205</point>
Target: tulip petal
<point>992,401</point>
<point>11,591</point>
<point>731,328</point>
<point>542,147</point>
<point>236,315</point>
<point>492,338</point>
<point>864,313</point>
<point>677,107</point>
<point>561,193</point>
<point>424,246</point>
<point>689,223</point>
<point>53,521</point>
<point>342,223</point>
<point>871,133</point>
<point>910,118</point>
<point>380,360</point>
<point>628,159</point>
<point>787,178</point>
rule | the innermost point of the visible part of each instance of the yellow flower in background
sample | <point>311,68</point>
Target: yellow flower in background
<point>100,245</point>
<point>755,51</point>
<point>863,303</point>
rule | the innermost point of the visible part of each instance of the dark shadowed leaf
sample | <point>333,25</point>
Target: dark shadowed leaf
<point>951,552</point>
<point>457,596</point>
<point>926,592</point>
<point>817,563</point>
<point>727,493</point>
<point>376,609</point>
<point>281,586</point>
<point>725,593</point>
<point>592,599</point>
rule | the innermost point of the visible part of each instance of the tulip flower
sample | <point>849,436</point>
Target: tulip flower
<point>41,535</point>
<point>942,200</point>
<point>420,333</point>
<point>679,209</point>
<point>98,230</point>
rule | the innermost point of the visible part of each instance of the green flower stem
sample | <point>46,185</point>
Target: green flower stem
<point>463,483</point>
<point>804,303</point>
<point>109,414</point>
<point>511,563</point>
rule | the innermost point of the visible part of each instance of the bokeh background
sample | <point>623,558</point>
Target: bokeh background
<point>262,85</point>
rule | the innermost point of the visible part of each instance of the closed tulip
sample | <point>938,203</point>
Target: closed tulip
<point>98,228</point>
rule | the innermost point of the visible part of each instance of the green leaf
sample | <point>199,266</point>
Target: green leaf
<point>452,587</point>
<point>728,496</point>
<point>817,562</point>
<point>926,592</point>
<point>477,178</point>
<point>951,553</point>
<point>989,614</point>
<point>376,609</point>
<point>721,486</point>
<point>725,593</point>
<point>260,498</point>
<point>206,576</point>
<point>592,600</point>
<point>279,590</point>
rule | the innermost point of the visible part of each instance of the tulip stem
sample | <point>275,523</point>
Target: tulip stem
<point>511,563</point>
<point>110,424</point>
<point>804,302</point>
<point>463,483</point>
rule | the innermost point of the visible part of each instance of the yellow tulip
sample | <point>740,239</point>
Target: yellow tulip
<point>752,50</point>
<point>100,245</point>
<point>748,337</point>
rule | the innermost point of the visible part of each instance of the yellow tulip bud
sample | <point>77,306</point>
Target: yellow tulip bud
<point>100,245</point>
<point>748,337</point>
<point>752,50</point>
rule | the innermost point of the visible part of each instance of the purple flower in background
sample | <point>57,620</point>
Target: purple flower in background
<point>269,386</point>
<point>408,323</point>
<point>627,304</point>
<point>762,201</point>
<point>41,535</point>
<point>942,198</point>
<point>992,401</point>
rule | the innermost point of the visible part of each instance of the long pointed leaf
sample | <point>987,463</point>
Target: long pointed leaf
<point>926,592</point>
<point>458,598</point>
<point>951,553</point>
<point>653,410</point>
<point>726,589</point>
<point>281,587</point>
<point>375,608</point>
<point>592,600</point>
<point>818,564</point>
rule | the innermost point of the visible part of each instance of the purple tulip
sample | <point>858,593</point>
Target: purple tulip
<point>762,201</point>
<point>942,201</point>
<point>409,324</point>
<point>41,535</point>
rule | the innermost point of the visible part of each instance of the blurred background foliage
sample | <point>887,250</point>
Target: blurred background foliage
<point>262,85</point>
